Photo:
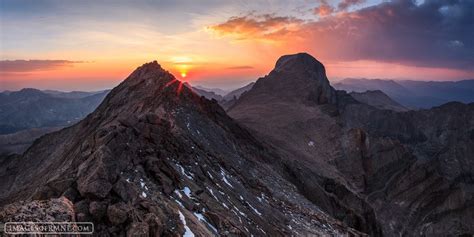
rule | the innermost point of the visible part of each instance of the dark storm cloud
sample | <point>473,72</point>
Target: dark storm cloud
<point>435,33</point>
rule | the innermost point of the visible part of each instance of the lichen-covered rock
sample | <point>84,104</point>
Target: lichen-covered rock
<point>52,210</point>
<point>117,213</point>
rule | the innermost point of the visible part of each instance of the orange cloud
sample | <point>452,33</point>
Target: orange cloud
<point>323,10</point>
<point>254,27</point>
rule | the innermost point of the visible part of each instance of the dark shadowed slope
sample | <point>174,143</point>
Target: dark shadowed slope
<point>31,108</point>
<point>229,100</point>
<point>293,109</point>
<point>157,159</point>
<point>413,169</point>
<point>235,94</point>
<point>20,141</point>
<point>378,99</point>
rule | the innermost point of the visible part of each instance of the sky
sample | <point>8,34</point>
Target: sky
<point>93,45</point>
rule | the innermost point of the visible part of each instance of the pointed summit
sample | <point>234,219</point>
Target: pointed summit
<point>148,88</point>
<point>149,71</point>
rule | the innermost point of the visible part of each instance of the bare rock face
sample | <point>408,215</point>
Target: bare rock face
<point>155,159</point>
<point>298,78</point>
<point>421,166</point>
<point>294,109</point>
<point>380,171</point>
<point>52,210</point>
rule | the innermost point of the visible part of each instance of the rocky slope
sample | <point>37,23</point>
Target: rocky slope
<point>389,173</point>
<point>157,159</point>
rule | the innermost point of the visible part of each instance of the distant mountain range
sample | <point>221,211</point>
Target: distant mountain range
<point>406,93</point>
<point>414,94</point>
<point>32,108</point>
<point>378,99</point>
<point>56,109</point>
<point>217,91</point>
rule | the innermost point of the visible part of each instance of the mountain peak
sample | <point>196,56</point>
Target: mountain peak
<point>299,62</point>
<point>151,69</point>
<point>151,65</point>
<point>296,77</point>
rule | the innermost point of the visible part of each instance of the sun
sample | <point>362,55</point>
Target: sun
<point>183,74</point>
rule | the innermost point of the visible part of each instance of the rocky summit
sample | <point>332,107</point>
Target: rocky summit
<point>291,157</point>
<point>156,159</point>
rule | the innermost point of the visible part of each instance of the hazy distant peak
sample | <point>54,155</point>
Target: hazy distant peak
<point>378,99</point>
<point>30,90</point>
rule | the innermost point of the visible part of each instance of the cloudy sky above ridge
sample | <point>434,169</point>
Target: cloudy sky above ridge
<point>89,45</point>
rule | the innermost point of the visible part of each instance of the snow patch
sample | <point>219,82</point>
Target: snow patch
<point>144,194</point>
<point>179,203</point>
<point>201,218</point>
<point>254,209</point>
<point>142,184</point>
<point>240,219</point>
<point>241,213</point>
<point>310,143</point>
<point>178,193</point>
<point>187,231</point>
<point>212,193</point>
<point>210,175</point>
<point>225,179</point>
<point>187,191</point>
<point>183,172</point>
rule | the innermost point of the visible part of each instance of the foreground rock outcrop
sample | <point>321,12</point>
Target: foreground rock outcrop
<point>155,159</point>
